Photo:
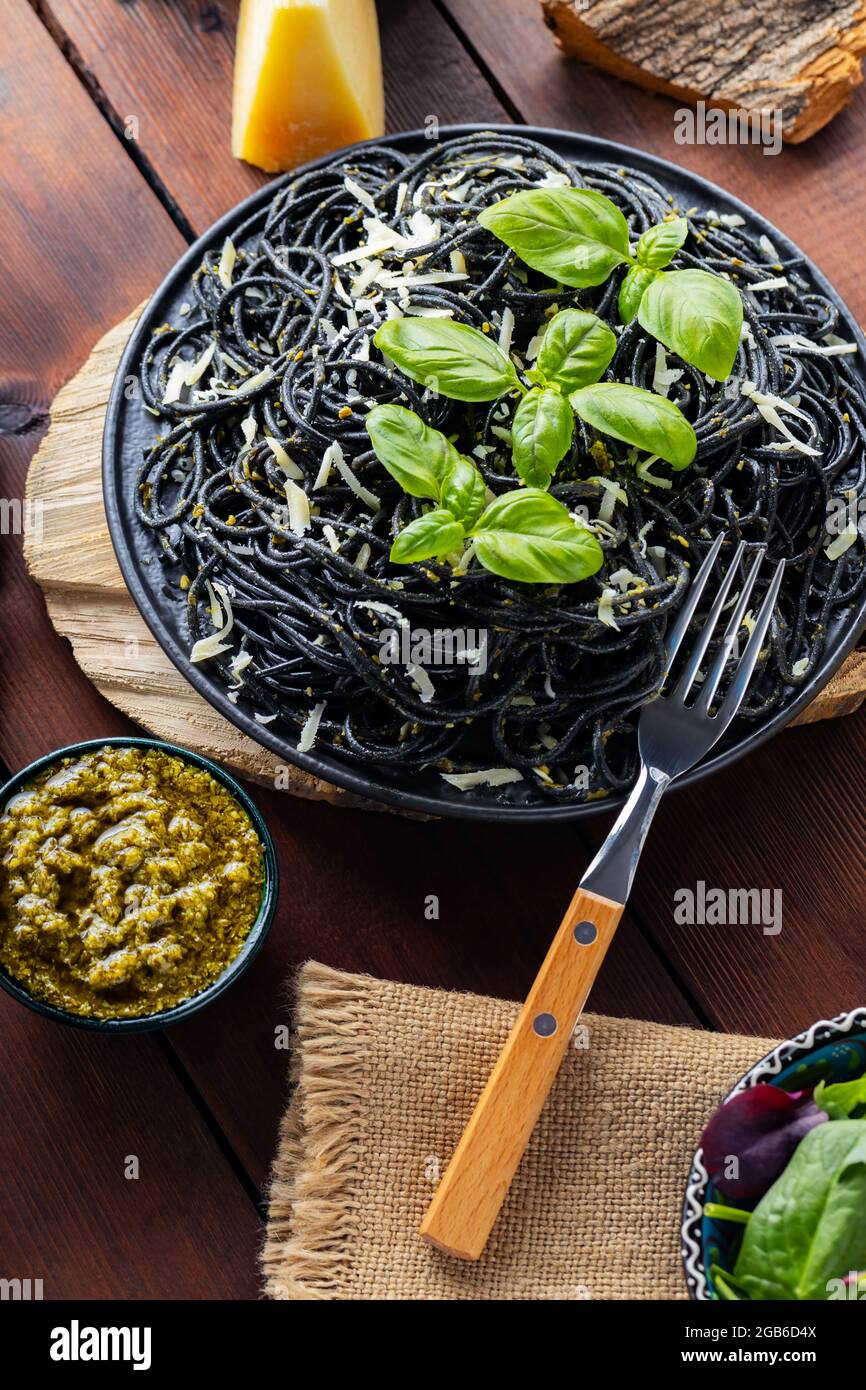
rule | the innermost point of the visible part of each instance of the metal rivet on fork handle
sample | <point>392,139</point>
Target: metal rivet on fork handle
<point>585,933</point>
<point>544,1025</point>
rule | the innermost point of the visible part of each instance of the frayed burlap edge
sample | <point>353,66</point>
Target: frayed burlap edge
<point>312,1207</point>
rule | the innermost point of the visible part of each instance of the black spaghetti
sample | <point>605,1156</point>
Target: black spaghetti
<point>264,382</point>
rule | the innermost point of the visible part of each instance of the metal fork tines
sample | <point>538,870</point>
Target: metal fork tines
<point>748,660</point>
<point>673,735</point>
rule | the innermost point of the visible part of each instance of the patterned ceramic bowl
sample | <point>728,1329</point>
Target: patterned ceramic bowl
<point>832,1050</point>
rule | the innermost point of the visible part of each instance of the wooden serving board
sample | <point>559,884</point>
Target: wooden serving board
<point>70,555</point>
<point>798,62</point>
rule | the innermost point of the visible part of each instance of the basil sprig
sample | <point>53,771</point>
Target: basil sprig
<point>525,535</point>
<point>636,282</point>
<point>425,463</point>
<point>433,535</point>
<point>578,237</point>
<point>576,349</point>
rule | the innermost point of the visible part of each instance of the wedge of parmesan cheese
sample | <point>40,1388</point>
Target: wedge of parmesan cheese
<point>308,79</point>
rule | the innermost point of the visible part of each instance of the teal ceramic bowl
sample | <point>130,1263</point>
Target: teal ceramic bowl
<point>255,937</point>
<point>832,1050</point>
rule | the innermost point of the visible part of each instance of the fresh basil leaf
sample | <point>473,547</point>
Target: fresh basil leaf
<point>809,1228</point>
<point>843,1099</point>
<point>435,533</point>
<point>659,244</point>
<point>698,315</point>
<point>464,491</point>
<point>529,536</point>
<point>574,235</point>
<point>632,290</point>
<point>637,417</point>
<point>451,358</point>
<point>576,349</point>
<point>415,454</point>
<point>541,435</point>
<point>425,463</point>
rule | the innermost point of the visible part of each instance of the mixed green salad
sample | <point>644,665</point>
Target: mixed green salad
<point>792,1165</point>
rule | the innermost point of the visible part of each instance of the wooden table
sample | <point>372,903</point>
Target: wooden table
<point>114,129</point>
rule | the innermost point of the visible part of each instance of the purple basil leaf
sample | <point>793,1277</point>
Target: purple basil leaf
<point>760,1127</point>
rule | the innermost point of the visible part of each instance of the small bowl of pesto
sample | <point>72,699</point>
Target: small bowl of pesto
<point>137,882</point>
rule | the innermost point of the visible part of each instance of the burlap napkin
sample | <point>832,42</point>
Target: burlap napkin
<point>386,1076</point>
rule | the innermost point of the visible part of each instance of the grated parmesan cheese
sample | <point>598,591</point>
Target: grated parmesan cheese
<point>299,507</point>
<point>506,331</point>
<point>490,777</point>
<point>227,263</point>
<point>605,608</point>
<point>351,481</point>
<point>842,542</point>
<point>215,644</point>
<point>285,462</point>
<point>769,407</point>
<point>311,727</point>
<point>422,682</point>
<point>664,376</point>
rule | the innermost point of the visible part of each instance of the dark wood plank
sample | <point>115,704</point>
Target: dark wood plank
<point>813,191</point>
<point>76,1108</point>
<point>789,817</point>
<point>144,60</point>
<point>81,240</point>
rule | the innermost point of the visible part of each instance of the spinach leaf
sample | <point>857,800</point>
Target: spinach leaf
<point>725,1286</point>
<point>811,1225</point>
<point>632,290</point>
<point>637,417</point>
<point>845,1099</point>
<point>451,358</point>
<point>574,235</point>
<point>698,315</point>
<point>425,463</point>
<point>576,350</point>
<point>659,244</point>
<point>541,435</point>
<point>759,1128</point>
<point>435,533</point>
<point>527,535</point>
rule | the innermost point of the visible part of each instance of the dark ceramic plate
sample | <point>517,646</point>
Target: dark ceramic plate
<point>129,429</point>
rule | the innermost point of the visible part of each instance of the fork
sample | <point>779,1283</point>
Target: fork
<point>672,737</point>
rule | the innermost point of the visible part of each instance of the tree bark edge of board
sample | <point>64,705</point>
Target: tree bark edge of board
<point>817,93</point>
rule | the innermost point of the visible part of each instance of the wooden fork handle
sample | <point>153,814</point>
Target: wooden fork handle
<point>469,1196</point>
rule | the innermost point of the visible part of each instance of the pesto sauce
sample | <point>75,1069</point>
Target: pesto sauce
<point>129,880</point>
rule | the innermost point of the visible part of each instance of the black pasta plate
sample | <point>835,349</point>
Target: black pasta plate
<point>128,428</point>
